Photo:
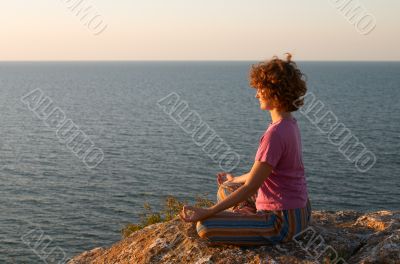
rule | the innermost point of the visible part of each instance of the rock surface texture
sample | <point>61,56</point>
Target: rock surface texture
<point>333,237</point>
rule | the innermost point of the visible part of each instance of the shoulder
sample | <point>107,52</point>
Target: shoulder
<point>272,134</point>
<point>285,127</point>
<point>274,130</point>
<point>280,131</point>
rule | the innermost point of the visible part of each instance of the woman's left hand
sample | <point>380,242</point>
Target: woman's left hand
<point>197,213</point>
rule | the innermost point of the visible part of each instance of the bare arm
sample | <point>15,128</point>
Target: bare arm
<point>227,177</point>
<point>257,175</point>
<point>241,179</point>
<point>252,181</point>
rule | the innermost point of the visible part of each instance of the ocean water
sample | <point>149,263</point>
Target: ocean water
<point>46,189</point>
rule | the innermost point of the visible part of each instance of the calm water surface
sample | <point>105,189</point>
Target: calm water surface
<point>147,156</point>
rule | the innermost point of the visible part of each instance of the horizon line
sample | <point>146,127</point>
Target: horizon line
<point>247,60</point>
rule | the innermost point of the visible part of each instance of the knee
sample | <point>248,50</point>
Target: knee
<point>202,229</point>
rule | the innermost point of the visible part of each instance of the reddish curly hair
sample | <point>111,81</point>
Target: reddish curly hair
<point>280,81</point>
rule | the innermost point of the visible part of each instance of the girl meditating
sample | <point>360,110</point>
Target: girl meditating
<point>269,204</point>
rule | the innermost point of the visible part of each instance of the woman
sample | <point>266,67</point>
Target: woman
<point>270,203</point>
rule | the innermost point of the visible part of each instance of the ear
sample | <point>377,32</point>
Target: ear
<point>276,104</point>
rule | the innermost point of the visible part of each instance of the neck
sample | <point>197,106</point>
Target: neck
<point>278,115</point>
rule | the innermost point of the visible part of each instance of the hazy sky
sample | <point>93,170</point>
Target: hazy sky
<point>197,30</point>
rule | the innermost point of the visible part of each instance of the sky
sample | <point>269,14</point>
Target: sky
<point>250,30</point>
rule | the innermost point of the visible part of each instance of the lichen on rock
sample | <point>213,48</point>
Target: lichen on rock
<point>348,236</point>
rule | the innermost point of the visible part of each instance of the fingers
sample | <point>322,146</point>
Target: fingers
<point>183,218</point>
<point>221,177</point>
<point>183,214</point>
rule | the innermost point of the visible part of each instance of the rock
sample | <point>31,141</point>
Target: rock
<point>342,236</point>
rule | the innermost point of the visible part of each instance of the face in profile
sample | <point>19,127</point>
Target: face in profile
<point>265,104</point>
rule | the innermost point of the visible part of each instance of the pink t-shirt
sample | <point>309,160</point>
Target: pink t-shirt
<point>286,187</point>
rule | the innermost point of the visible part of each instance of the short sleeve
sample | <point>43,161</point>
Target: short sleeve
<point>270,149</point>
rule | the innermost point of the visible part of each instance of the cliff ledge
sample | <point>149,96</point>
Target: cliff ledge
<point>342,236</point>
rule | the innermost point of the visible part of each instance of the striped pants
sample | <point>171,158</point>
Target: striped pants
<point>244,225</point>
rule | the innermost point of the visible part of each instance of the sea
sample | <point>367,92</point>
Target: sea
<point>55,202</point>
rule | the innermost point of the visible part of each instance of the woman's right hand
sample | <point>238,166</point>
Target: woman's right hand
<point>223,177</point>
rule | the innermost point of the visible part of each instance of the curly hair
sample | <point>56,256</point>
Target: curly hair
<point>280,81</point>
